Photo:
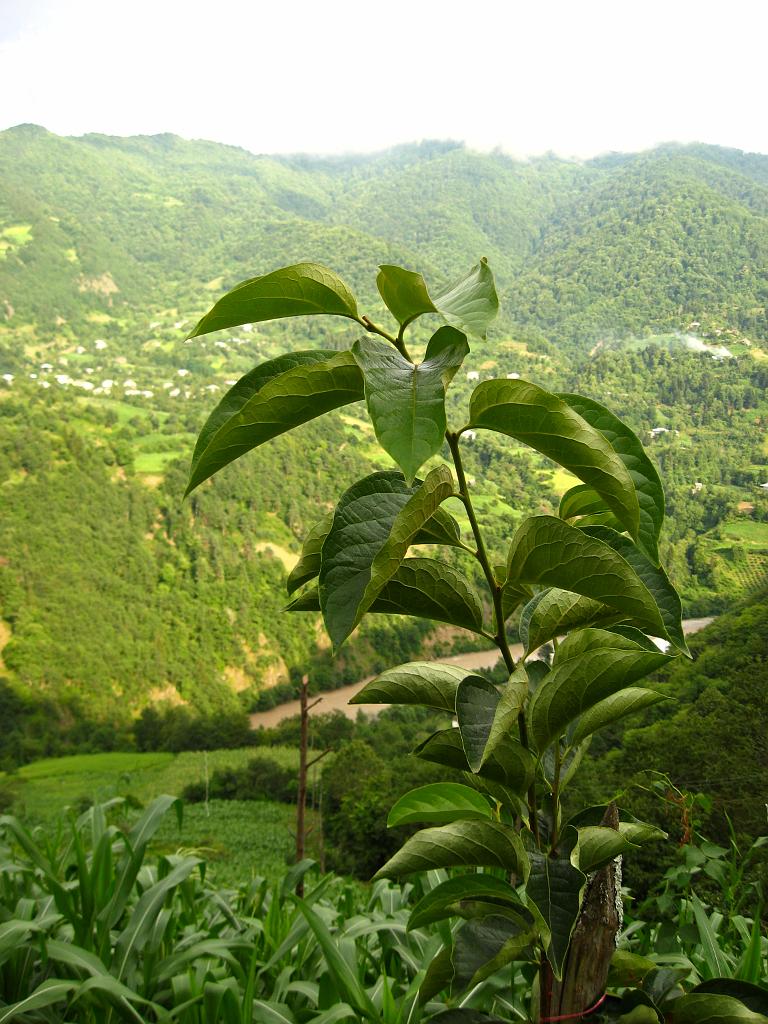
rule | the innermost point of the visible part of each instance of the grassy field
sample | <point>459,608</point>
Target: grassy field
<point>240,838</point>
<point>14,237</point>
<point>153,462</point>
<point>747,532</point>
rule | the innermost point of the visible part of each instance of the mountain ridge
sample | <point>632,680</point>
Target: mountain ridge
<point>110,249</point>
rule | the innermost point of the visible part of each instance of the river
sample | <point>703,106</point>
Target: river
<point>338,700</point>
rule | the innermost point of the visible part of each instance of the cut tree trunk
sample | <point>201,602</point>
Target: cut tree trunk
<point>593,944</point>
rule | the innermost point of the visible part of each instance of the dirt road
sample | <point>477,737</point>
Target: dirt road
<point>338,700</point>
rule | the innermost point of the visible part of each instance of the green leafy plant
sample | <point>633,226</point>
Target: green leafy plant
<point>538,894</point>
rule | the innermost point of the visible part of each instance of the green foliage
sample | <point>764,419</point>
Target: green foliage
<point>534,723</point>
<point>406,403</point>
<point>709,740</point>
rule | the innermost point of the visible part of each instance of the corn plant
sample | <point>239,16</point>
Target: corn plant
<point>94,929</point>
<point>538,896</point>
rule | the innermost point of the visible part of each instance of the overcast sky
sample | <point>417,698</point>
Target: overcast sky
<point>327,76</point>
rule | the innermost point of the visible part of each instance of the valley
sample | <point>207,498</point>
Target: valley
<point>102,395</point>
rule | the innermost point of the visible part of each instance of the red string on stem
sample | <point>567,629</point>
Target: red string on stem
<point>576,1016</point>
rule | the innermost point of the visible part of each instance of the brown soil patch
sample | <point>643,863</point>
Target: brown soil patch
<point>5,636</point>
<point>288,558</point>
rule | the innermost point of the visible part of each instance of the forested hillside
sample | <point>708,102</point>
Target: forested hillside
<point>637,279</point>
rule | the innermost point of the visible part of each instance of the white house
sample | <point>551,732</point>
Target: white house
<point>473,375</point>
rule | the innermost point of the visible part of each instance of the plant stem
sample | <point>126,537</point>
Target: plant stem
<point>398,342</point>
<point>500,636</point>
<point>556,780</point>
<point>556,797</point>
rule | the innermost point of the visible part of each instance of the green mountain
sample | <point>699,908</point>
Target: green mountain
<point>640,279</point>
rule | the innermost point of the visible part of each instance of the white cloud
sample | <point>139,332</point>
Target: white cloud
<point>576,77</point>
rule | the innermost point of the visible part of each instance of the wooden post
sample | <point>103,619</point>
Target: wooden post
<point>304,765</point>
<point>301,802</point>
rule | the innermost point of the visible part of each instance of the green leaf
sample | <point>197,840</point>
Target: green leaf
<point>639,832</point>
<point>708,1008</point>
<point>421,587</point>
<point>273,398</point>
<point>430,684</point>
<point>437,977</point>
<point>74,956</point>
<point>634,831</point>
<point>444,747</point>
<point>442,528</point>
<point>650,493</point>
<point>375,522</point>
<point>546,550</point>
<point>750,967</point>
<point>300,290</point>
<point>429,589</point>
<point>547,423</point>
<point>554,889</point>
<point>512,594</point>
<point>446,899</point>
<point>144,915</point>
<point>485,945</point>
<point>308,566</point>
<point>15,932</point>
<point>404,293</point>
<point>510,764</point>
<point>118,994</point>
<point>588,667</point>
<point>439,803</point>
<point>309,601</point>
<point>752,996</point>
<point>341,1011</point>
<point>606,712</point>
<point>714,958</point>
<point>344,978</point>
<point>476,703</point>
<point>598,845</point>
<point>655,579</point>
<point>54,990</point>
<point>554,612</point>
<point>507,712</point>
<point>406,402</point>
<point>471,303</point>
<point>464,1016</point>
<point>581,500</point>
<point>459,844</point>
<point>628,969</point>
